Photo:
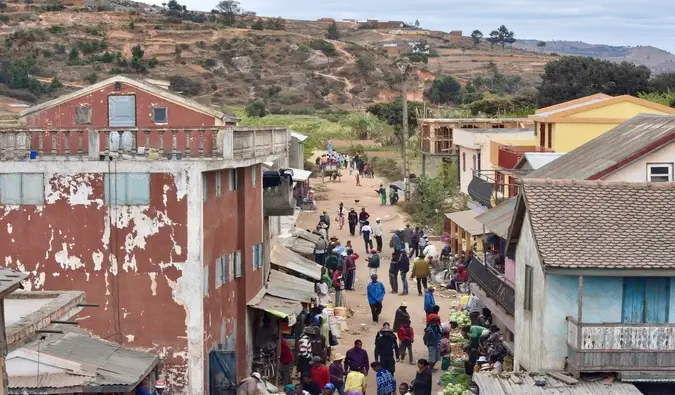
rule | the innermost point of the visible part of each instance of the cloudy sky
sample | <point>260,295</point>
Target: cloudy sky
<point>614,22</point>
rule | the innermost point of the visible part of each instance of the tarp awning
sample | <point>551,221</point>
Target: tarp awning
<point>284,257</point>
<point>290,287</point>
<point>498,219</point>
<point>278,307</point>
<point>467,221</point>
<point>301,175</point>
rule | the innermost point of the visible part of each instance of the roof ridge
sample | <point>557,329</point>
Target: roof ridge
<point>598,183</point>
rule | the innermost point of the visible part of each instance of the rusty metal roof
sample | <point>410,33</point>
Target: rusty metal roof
<point>625,143</point>
<point>601,224</point>
<point>498,219</point>
<point>96,363</point>
<point>10,281</point>
<point>290,287</point>
<point>284,257</point>
<point>497,385</point>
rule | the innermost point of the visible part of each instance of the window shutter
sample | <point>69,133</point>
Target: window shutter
<point>121,111</point>
<point>237,264</point>
<point>10,189</point>
<point>219,273</point>
<point>138,188</point>
<point>230,269</point>
<point>115,188</point>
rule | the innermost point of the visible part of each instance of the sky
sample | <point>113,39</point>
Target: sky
<point>613,22</point>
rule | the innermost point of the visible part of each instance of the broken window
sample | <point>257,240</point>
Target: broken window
<point>83,115</point>
<point>160,115</point>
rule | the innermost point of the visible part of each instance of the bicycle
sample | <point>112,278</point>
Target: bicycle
<point>267,359</point>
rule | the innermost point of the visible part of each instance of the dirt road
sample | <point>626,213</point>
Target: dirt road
<point>360,325</point>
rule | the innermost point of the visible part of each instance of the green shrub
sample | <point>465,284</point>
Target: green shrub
<point>257,109</point>
<point>55,84</point>
<point>91,78</point>
<point>56,29</point>
<point>324,46</point>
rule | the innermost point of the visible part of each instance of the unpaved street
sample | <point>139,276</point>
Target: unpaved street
<point>361,325</point>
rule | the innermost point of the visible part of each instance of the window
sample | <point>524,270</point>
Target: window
<point>205,277</point>
<point>121,111</point>
<point>218,183</point>
<point>23,188</point>
<point>160,115</point>
<point>550,136</point>
<point>258,255</point>
<point>127,189</point>
<point>205,187</point>
<point>463,161</point>
<point>254,174</point>
<point>474,162</point>
<point>527,301</point>
<point>645,300</point>
<point>660,172</point>
<point>234,179</point>
<point>542,135</point>
<point>220,272</point>
<point>83,115</point>
<point>230,266</point>
<point>238,272</point>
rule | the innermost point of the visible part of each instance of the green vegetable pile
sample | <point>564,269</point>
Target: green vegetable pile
<point>460,317</point>
<point>455,382</point>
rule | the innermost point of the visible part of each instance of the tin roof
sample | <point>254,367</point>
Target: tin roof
<point>10,281</point>
<point>78,360</point>
<point>538,159</point>
<point>467,221</point>
<point>300,137</point>
<point>573,105</point>
<point>300,174</point>
<point>523,384</point>
<point>280,307</point>
<point>498,219</point>
<point>290,287</point>
<point>612,150</point>
<point>284,257</point>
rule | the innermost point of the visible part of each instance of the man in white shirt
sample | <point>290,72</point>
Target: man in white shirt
<point>430,249</point>
<point>378,231</point>
<point>367,233</point>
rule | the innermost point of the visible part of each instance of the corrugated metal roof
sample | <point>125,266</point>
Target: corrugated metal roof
<point>50,380</point>
<point>280,307</point>
<point>301,175</point>
<point>300,137</point>
<point>575,105</point>
<point>497,385</point>
<point>648,376</point>
<point>467,221</point>
<point>629,139</point>
<point>290,287</point>
<point>538,159</point>
<point>282,256</point>
<point>111,363</point>
<point>498,219</point>
<point>10,281</point>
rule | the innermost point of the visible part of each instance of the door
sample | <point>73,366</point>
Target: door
<point>223,380</point>
<point>645,300</point>
<point>121,111</point>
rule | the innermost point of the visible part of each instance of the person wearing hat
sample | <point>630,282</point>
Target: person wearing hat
<point>337,373</point>
<point>329,389</point>
<point>320,373</point>
<point>386,348</point>
<point>289,389</point>
<point>249,385</point>
<point>160,386</point>
<point>401,316</point>
<point>423,381</point>
<point>378,232</point>
<point>376,292</point>
<point>373,261</point>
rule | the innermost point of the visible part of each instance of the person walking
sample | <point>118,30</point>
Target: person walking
<point>286,361</point>
<point>320,372</point>
<point>429,301</point>
<point>432,339</point>
<point>358,179</point>
<point>404,268</point>
<point>320,251</point>
<point>357,358</point>
<point>337,373</point>
<point>383,195</point>
<point>367,233</point>
<point>386,348</point>
<point>337,284</point>
<point>325,218</point>
<point>375,293</point>
<point>341,217</point>
<point>407,237</point>
<point>350,267</point>
<point>374,262</point>
<point>393,273</point>
<point>401,316</point>
<point>396,243</point>
<point>304,350</point>
<point>423,381</point>
<point>356,382</point>
<point>415,242</point>
<point>420,272</point>
<point>363,217</point>
<point>386,385</point>
<point>406,337</point>
<point>378,231</point>
<point>352,220</point>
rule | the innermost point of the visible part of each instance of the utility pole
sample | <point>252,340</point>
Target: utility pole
<point>404,66</point>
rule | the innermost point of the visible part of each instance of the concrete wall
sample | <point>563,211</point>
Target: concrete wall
<point>624,110</point>
<point>510,270</point>
<point>529,324</point>
<point>296,154</point>
<point>560,302</point>
<point>637,171</point>
<point>466,171</point>
<point>63,115</point>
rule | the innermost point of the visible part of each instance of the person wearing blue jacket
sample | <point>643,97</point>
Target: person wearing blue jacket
<point>429,301</point>
<point>375,293</point>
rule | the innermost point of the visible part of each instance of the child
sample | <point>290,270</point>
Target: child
<point>358,179</point>
<point>407,336</point>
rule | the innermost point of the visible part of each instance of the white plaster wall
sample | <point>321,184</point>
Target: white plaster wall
<point>529,324</point>
<point>637,170</point>
<point>466,175</point>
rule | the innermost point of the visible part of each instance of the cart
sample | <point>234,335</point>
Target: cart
<point>332,171</point>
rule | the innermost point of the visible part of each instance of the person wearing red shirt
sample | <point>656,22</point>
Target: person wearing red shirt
<point>320,372</point>
<point>337,284</point>
<point>462,276</point>
<point>406,336</point>
<point>286,359</point>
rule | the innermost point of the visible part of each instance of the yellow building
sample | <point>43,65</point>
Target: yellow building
<point>566,126</point>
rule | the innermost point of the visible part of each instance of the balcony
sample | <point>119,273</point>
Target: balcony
<point>509,155</point>
<point>494,285</point>
<point>278,197</point>
<point>489,187</point>
<point>620,347</point>
<point>143,144</point>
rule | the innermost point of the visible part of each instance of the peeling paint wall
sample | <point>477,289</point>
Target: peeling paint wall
<point>225,309</point>
<point>131,260</point>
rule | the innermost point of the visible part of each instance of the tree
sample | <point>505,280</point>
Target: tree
<point>663,83</point>
<point>256,109</point>
<point>367,127</point>
<point>392,114</point>
<point>417,23</point>
<point>258,25</point>
<point>137,52</point>
<point>230,10</point>
<point>541,45</point>
<point>494,38</point>
<point>505,36</point>
<point>572,77</point>
<point>476,36</point>
<point>332,33</point>
<point>173,5</point>
<point>446,90</point>
<point>365,65</point>
<point>433,196</point>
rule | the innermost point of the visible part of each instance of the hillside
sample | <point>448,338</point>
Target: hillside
<point>658,60</point>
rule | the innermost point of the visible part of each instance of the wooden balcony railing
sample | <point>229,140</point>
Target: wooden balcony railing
<point>143,144</point>
<point>616,347</point>
<point>493,285</point>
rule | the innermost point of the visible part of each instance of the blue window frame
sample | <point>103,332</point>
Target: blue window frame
<point>646,300</point>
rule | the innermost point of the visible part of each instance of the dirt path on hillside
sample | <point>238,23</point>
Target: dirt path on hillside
<point>360,325</point>
<point>348,84</point>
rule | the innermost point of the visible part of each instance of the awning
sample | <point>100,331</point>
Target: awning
<point>467,221</point>
<point>282,256</point>
<point>278,307</point>
<point>301,175</point>
<point>498,219</point>
<point>290,287</point>
<point>481,191</point>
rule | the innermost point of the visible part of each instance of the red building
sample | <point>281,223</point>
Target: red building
<point>163,226</point>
